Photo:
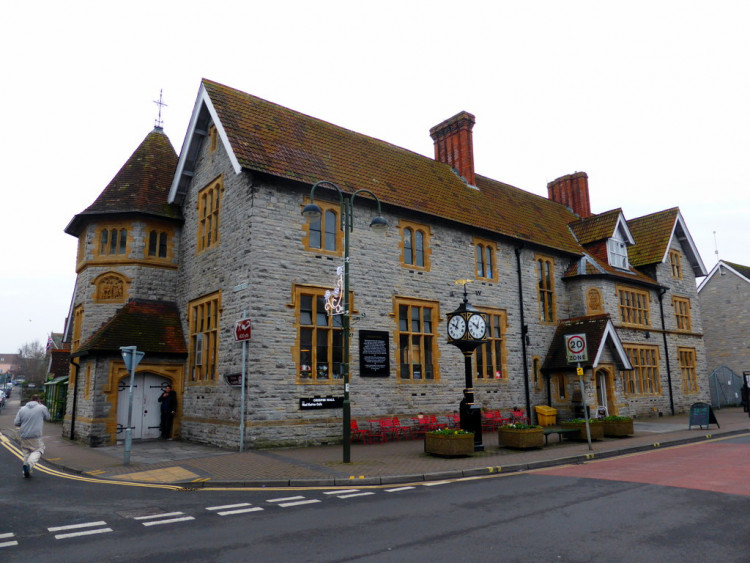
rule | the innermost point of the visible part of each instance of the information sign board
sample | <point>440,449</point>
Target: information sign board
<point>242,330</point>
<point>374,359</point>
<point>313,403</point>
<point>575,348</point>
<point>701,414</point>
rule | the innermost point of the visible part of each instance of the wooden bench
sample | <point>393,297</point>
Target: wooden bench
<point>557,430</point>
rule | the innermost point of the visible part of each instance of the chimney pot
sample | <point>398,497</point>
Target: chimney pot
<point>572,190</point>
<point>454,145</point>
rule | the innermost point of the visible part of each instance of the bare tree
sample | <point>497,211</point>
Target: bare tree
<point>32,362</point>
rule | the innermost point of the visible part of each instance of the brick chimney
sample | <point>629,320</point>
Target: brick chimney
<point>572,190</point>
<point>454,145</point>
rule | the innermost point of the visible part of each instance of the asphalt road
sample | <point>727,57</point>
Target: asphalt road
<point>652,506</point>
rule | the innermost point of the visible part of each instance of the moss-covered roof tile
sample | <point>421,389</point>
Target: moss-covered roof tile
<point>652,234</point>
<point>152,326</point>
<point>273,139</point>
<point>141,186</point>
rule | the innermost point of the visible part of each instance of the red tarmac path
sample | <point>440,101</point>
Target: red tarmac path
<point>721,466</point>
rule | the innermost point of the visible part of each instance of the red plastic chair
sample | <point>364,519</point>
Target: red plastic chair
<point>357,433</point>
<point>401,431</point>
<point>519,415</point>
<point>420,425</point>
<point>490,421</point>
<point>376,432</point>
<point>386,425</point>
<point>435,425</point>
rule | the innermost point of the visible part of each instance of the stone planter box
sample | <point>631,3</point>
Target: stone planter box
<point>596,428</point>
<point>449,445</point>
<point>618,428</point>
<point>521,439</point>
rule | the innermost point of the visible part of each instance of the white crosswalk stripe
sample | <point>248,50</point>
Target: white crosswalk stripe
<point>81,532</point>
<point>399,489</point>
<point>10,542</point>
<point>230,509</point>
<point>288,502</point>
<point>164,518</point>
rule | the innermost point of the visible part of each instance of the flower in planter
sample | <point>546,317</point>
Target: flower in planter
<point>519,426</point>
<point>448,432</point>
<point>582,420</point>
<point>615,418</point>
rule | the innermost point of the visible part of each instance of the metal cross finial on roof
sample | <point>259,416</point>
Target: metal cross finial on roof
<point>159,122</point>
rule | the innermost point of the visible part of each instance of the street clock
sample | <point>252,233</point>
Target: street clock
<point>467,327</point>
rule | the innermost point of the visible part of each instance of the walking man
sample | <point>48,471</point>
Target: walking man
<point>168,400</point>
<point>31,419</point>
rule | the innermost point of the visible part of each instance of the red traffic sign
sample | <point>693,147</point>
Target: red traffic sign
<point>575,348</point>
<point>242,330</point>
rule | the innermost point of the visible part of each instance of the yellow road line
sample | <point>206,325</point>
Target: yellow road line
<point>12,448</point>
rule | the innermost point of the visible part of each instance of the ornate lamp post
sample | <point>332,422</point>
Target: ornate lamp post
<point>378,223</point>
<point>467,330</point>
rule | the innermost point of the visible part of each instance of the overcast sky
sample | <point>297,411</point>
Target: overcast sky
<point>650,98</point>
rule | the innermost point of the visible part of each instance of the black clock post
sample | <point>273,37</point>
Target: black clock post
<point>467,330</point>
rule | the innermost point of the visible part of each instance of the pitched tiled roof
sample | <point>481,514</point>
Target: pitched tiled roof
<point>141,185</point>
<point>595,329</point>
<point>652,234</point>
<point>152,326</point>
<point>270,138</point>
<point>59,363</point>
<point>743,270</point>
<point>597,227</point>
<point>596,262</point>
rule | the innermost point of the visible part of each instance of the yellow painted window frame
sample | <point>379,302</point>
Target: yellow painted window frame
<point>158,232</point>
<point>496,345</point>
<point>634,306</point>
<point>536,372</point>
<point>213,138</point>
<point>87,383</point>
<point>204,320</point>
<point>426,341</point>
<point>545,276</point>
<point>643,380</point>
<point>77,328</point>
<point>481,248</point>
<point>682,318</point>
<point>410,227</point>
<point>310,372</point>
<point>675,263</point>
<point>324,224</point>
<point>686,359</point>
<point>114,226</point>
<point>208,206</point>
<point>561,382</point>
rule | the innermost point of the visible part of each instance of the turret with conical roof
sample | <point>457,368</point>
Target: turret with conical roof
<point>128,239</point>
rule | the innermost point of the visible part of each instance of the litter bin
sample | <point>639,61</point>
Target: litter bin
<point>545,415</point>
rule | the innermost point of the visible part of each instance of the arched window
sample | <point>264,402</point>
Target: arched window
<point>157,244</point>
<point>113,242</point>
<point>408,246</point>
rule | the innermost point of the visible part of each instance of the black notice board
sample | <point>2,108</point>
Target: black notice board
<point>374,359</point>
<point>316,402</point>
<point>701,414</point>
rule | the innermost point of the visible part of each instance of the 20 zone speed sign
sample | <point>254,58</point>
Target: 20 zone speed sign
<point>575,348</point>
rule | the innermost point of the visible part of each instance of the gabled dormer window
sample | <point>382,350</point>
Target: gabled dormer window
<point>617,253</point>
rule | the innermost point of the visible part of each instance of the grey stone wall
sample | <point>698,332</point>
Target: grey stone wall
<point>725,302</point>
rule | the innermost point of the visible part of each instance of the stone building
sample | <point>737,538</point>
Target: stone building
<point>725,299</point>
<point>176,250</point>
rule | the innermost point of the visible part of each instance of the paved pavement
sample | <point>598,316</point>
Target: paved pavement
<point>197,465</point>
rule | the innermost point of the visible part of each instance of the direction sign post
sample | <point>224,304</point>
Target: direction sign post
<point>132,357</point>
<point>242,333</point>
<point>576,351</point>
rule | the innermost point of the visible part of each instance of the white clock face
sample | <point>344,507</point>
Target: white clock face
<point>456,327</point>
<point>477,327</point>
